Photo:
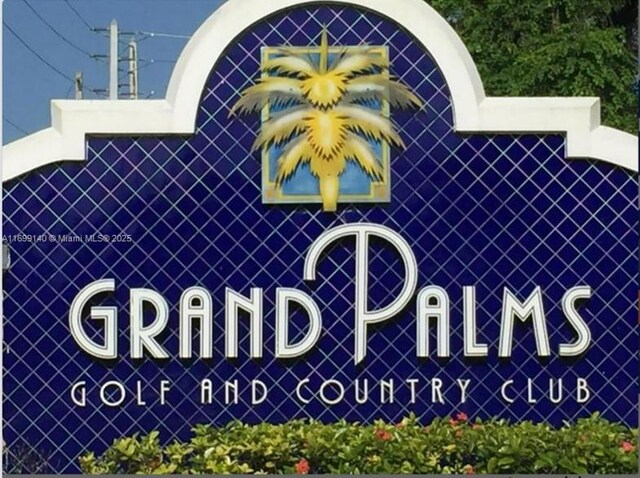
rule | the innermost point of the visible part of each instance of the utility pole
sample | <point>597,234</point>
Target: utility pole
<point>133,70</point>
<point>79,83</point>
<point>113,60</point>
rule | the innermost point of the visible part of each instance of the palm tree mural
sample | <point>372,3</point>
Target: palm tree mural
<point>326,118</point>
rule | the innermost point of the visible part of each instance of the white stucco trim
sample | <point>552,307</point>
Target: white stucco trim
<point>578,118</point>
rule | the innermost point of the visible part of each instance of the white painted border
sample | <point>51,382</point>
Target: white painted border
<point>72,120</point>
<point>2,445</point>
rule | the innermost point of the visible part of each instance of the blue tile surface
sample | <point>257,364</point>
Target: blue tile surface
<point>489,210</point>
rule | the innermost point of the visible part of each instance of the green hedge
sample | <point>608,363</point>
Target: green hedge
<point>456,445</point>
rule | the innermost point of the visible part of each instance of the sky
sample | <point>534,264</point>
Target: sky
<point>67,44</point>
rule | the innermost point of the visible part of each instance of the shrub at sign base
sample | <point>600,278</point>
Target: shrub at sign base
<point>455,445</point>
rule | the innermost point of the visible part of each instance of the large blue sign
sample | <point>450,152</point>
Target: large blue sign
<point>333,247</point>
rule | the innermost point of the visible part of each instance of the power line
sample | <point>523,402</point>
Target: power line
<point>166,35</point>
<point>78,15</point>
<point>26,45</point>
<point>146,64</point>
<point>158,61</point>
<point>22,130</point>
<point>41,58</point>
<point>56,32</point>
<point>143,38</point>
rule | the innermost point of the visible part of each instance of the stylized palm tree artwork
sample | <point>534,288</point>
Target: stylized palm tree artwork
<point>325,115</point>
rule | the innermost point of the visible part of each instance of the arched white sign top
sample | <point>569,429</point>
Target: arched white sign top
<point>72,120</point>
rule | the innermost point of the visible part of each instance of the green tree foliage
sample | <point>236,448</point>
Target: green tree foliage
<point>553,48</point>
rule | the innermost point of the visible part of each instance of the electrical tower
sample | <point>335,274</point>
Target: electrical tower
<point>115,60</point>
<point>79,85</point>
<point>133,69</point>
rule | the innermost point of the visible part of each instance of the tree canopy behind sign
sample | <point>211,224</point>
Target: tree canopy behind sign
<point>554,48</point>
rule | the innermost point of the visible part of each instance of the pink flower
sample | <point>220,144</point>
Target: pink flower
<point>627,447</point>
<point>302,467</point>
<point>453,422</point>
<point>462,417</point>
<point>476,426</point>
